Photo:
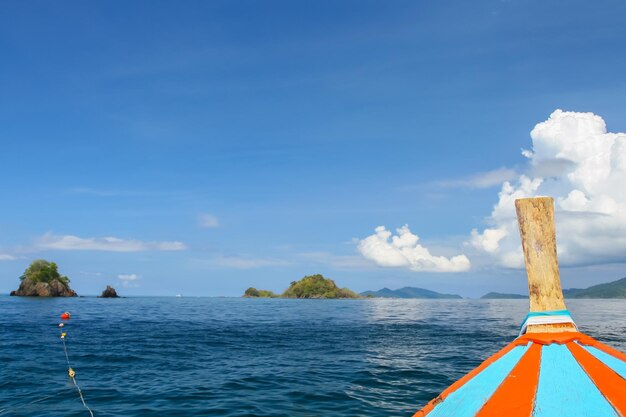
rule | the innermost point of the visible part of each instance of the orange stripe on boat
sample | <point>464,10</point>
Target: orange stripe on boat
<point>567,337</point>
<point>458,384</point>
<point>609,382</point>
<point>515,397</point>
<point>558,338</point>
<point>610,351</point>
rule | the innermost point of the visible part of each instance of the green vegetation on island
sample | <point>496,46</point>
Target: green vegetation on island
<point>43,279</point>
<point>254,293</point>
<point>502,296</point>
<point>409,292</point>
<point>311,286</point>
<point>316,286</point>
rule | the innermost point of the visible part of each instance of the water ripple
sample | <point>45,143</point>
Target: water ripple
<point>239,357</point>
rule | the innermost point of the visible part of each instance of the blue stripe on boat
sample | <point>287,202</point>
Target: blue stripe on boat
<point>565,389</point>
<point>612,362</point>
<point>468,399</point>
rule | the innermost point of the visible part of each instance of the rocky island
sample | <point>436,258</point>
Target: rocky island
<point>109,292</point>
<point>311,286</point>
<point>42,279</point>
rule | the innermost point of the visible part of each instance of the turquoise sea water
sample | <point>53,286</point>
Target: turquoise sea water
<point>256,357</point>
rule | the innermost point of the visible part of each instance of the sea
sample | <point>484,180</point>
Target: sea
<point>186,356</point>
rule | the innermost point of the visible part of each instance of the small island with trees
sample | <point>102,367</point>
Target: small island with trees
<point>311,286</point>
<point>42,279</point>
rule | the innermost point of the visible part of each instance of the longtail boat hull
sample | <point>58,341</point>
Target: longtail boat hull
<point>551,369</point>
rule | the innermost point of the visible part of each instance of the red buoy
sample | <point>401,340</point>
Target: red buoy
<point>65,316</point>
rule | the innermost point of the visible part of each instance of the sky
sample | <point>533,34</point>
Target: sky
<point>200,148</point>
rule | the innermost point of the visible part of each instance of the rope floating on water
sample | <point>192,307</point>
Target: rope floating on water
<point>70,372</point>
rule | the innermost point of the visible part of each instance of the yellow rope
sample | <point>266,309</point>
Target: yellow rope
<point>72,375</point>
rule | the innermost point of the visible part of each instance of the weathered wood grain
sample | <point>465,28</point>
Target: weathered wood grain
<point>536,224</point>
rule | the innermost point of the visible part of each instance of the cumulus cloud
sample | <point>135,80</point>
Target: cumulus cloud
<point>109,244</point>
<point>128,280</point>
<point>403,250</point>
<point>482,179</point>
<point>575,160</point>
<point>6,257</point>
<point>208,221</point>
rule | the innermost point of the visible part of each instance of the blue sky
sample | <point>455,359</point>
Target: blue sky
<point>291,129</point>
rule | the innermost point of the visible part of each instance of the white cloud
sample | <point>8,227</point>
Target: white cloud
<point>403,250</point>
<point>208,221</point>
<point>576,161</point>
<point>6,257</point>
<point>90,274</point>
<point>336,261</point>
<point>239,262</point>
<point>489,239</point>
<point>482,179</point>
<point>128,277</point>
<point>110,244</point>
<point>128,280</point>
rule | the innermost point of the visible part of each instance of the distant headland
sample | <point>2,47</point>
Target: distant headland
<point>614,289</point>
<point>311,286</point>
<point>42,279</point>
<point>409,292</point>
<point>502,296</point>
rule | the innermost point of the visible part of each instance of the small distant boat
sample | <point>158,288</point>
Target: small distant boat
<point>551,369</point>
<point>179,295</point>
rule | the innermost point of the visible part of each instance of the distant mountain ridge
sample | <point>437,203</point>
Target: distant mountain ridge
<point>614,289</point>
<point>409,292</point>
<point>502,296</point>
